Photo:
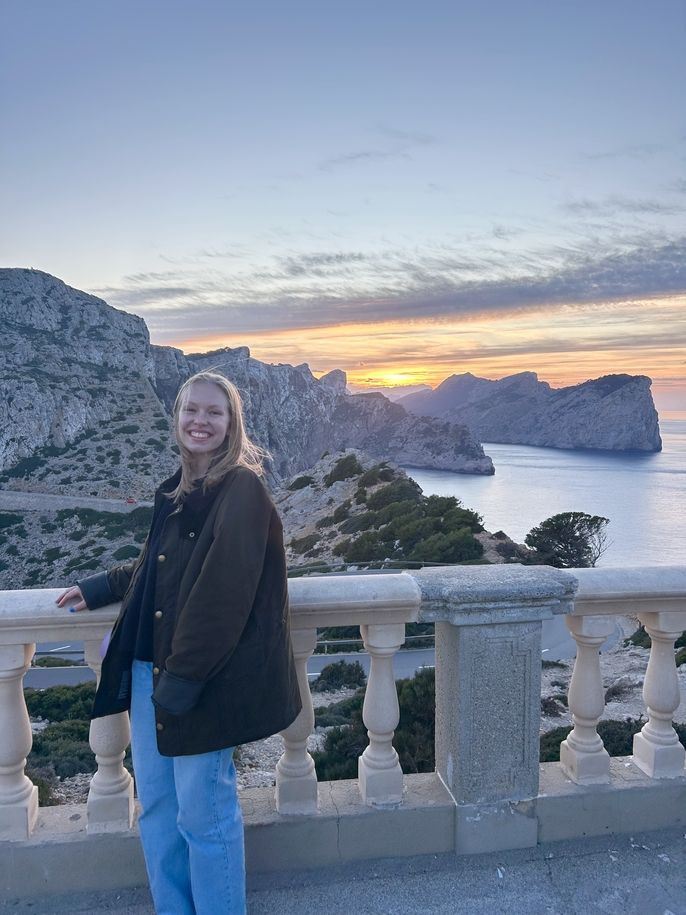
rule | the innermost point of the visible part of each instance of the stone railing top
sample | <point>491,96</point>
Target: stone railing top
<point>348,600</point>
<point>33,616</point>
<point>477,595</point>
<point>630,590</point>
<point>321,601</point>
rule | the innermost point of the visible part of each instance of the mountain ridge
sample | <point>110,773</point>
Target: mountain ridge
<point>614,412</point>
<point>75,371</point>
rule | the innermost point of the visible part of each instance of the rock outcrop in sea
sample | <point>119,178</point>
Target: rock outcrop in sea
<point>86,400</point>
<point>615,412</point>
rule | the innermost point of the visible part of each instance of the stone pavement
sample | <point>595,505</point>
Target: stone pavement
<point>644,874</point>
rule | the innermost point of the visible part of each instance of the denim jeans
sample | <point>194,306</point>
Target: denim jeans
<point>190,823</point>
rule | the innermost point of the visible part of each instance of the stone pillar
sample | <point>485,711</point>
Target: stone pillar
<point>582,754</point>
<point>296,779</point>
<point>488,693</point>
<point>657,750</point>
<point>379,773</point>
<point>110,804</point>
<point>18,795</point>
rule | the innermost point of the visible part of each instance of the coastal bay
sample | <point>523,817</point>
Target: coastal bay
<point>643,495</point>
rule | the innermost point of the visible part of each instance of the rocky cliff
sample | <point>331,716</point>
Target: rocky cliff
<point>85,400</point>
<point>615,412</point>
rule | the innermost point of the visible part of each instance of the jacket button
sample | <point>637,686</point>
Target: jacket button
<point>158,614</point>
<point>161,557</point>
<point>155,670</point>
<point>159,726</point>
<point>191,534</point>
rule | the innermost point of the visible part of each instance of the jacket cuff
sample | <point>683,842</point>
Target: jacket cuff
<point>96,590</point>
<point>176,695</point>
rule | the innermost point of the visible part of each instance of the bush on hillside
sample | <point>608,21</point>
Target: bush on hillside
<point>339,675</point>
<point>344,468</point>
<point>415,735</point>
<point>300,483</point>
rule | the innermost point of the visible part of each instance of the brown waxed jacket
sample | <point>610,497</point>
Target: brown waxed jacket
<point>221,641</point>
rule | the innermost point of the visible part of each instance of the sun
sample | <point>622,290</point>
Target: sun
<point>394,379</point>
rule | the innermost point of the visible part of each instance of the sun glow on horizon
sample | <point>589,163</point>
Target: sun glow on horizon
<point>565,347</point>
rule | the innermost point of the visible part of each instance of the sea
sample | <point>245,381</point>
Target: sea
<point>643,495</point>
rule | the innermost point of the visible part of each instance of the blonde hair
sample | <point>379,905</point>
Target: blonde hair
<point>237,450</point>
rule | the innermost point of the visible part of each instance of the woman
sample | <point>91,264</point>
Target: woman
<point>200,653</point>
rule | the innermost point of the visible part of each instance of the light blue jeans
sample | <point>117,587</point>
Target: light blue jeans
<point>190,823</point>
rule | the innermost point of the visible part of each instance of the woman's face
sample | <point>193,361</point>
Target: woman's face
<point>203,421</point>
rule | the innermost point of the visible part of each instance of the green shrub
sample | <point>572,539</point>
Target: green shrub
<point>365,548</point>
<point>126,552</point>
<point>327,521</point>
<point>343,746</point>
<point>8,519</point>
<point>44,778</point>
<point>398,491</point>
<point>639,638</point>
<point>342,511</point>
<point>344,468</point>
<point>303,544</point>
<point>414,741</point>
<point>380,473</point>
<point>51,660</point>
<point>457,546</point>
<point>356,523</point>
<point>65,747</point>
<point>300,483</point>
<point>338,675</point>
<point>126,430</point>
<point>60,703</point>
<point>338,714</point>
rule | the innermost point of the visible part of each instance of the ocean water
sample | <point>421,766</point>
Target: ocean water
<point>643,495</point>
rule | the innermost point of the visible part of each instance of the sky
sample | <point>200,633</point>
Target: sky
<point>401,190</point>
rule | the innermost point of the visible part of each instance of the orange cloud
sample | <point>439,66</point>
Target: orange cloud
<point>577,342</point>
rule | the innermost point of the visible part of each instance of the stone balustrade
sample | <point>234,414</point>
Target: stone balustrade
<point>488,661</point>
<point>657,598</point>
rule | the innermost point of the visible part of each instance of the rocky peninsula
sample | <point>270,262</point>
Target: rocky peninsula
<point>614,413</point>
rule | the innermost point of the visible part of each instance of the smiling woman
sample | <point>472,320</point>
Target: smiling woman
<point>203,607</point>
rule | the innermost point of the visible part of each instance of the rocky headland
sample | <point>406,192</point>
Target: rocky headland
<point>86,401</point>
<point>614,413</point>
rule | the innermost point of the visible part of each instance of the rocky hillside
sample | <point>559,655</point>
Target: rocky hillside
<point>328,514</point>
<point>615,412</point>
<point>77,374</point>
<point>349,508</point>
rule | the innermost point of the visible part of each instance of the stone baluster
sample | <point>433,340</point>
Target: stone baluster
<point>18,795</point>
<point>582,755</point>
<point>379,772</point>
<point>657,750</point>
<point>296,779</point>
<point>110,804</point>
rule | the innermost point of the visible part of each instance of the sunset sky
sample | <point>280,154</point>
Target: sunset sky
<point>401,190</point>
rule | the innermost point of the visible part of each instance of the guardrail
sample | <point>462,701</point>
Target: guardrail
<point>488,661</point>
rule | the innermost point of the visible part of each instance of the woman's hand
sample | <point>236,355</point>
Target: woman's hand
<point>74,598</point>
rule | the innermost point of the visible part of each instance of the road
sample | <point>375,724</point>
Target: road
<point>557,645</point>
<point>405,664</point>
<point>42,501</point>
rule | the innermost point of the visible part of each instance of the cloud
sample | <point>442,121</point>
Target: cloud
<point>615,204</point>
<point>363,155</point>
<point>317,264</point>
<point>329,288</point>
<point>398,143</point>
<point>639,151</point>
